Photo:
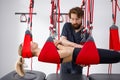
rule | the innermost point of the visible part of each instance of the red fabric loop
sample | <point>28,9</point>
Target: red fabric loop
<point>49,53</point>
<point>88,54</point>
<point>114,39</point>
<point>26,49</point>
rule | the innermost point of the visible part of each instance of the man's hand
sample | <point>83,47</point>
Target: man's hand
<point>83,65</point>
<point>56,42</point>
<point>78,46</point>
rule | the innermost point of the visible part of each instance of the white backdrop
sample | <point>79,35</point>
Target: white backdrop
<point>12,31</point>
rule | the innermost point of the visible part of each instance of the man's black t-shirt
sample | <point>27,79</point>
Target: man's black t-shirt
<point>69,32</point>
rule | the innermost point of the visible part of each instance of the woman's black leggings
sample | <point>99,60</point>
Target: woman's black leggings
<point>105,56</point>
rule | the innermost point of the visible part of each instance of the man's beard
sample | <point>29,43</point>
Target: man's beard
<point>76,26</point>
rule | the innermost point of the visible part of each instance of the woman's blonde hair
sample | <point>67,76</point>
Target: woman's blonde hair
<point>20,49</point>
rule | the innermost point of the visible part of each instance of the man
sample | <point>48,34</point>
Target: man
<point>72,36</point>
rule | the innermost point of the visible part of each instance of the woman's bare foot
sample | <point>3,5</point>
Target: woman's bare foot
<point>19,67</point>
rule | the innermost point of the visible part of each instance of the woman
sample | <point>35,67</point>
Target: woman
<point>65,54</point>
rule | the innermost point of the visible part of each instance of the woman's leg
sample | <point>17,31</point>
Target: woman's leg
<point>108,56</point>
<point>105,56</point>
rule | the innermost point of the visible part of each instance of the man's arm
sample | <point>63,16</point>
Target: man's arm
<point>72,44</point>
<point>66,42</point>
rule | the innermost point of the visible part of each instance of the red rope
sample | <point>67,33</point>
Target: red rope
<point>85,15</point>
<point>118,6</point>
<point>88,70</point>
<point>52,11</point>
<point>53,19</point>
<point>114,13</point>
<point>29,27</point>
<point>88,14</point>
<point>114,10</point>
<point>31,64</point>
<point>110,69</point>
<point>90,9</point>
<point>30,19</point>
<point>58,65</point>
<point>58,19</point>
<point>31,11</point>
<point>83,3</point>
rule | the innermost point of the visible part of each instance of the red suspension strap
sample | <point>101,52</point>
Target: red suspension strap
<point>90,10</point>
<point>83,6</point>
<point>90,19</point>
<point>58,19</point>
<point>52,12</point>
<point>114,10</point>
<point>54,18</point>
<point>30,15</point>
<point>26,50</point>
<point>114,43</point>
<point>118,6</point>
<point>52,27</point>
<point>114,34</point>
<point>58,65</point>
<point>31,11</point>
<point>88,7</point>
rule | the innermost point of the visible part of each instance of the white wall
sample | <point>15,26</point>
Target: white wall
<point>12,31</point>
